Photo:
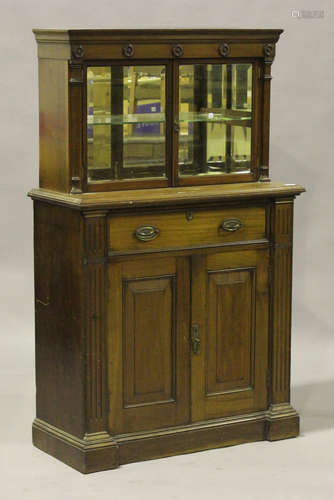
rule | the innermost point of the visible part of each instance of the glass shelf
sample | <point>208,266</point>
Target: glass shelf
<point>143,81</point>
<point>106,119</point>
<point>205,117</point>
<point>227,116</point>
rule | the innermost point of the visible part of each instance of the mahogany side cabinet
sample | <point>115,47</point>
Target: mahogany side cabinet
<point>163,251</point>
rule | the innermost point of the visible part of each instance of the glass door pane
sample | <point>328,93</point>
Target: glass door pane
<point>215,119</point>
<point>126,122</point>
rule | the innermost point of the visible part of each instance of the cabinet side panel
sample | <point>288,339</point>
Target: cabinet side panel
<point>59,360</point>
<point>53,125</point>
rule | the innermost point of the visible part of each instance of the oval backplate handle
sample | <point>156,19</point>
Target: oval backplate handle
<point>147,233</point>
<point>231,225</point>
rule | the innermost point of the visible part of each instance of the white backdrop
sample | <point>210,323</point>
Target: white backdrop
<point>302,141</point>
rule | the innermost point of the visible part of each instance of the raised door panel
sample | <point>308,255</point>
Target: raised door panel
<point>230,311</point>
<point>230,330</point>
<point>149,340</point>
<point>148,344</point>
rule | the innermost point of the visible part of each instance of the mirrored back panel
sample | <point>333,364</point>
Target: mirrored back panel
<point>126,122</point>
<point>215,119</point>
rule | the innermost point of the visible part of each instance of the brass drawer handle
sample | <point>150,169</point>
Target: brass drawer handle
<point>147,233</point>
<point>231,225</point>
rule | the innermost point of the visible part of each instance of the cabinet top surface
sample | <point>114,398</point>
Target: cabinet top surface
<point>45,35</point>
<point>169,196</point>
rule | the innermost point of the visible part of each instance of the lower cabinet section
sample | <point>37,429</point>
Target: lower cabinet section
<point>187,339</point>
<point>146,355</point>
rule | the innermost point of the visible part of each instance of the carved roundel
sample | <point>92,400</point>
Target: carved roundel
<point>177,50</point>
<point>224,49</point>
<point>78,52</point>
<point>269,49</point>
<point>128,50</point>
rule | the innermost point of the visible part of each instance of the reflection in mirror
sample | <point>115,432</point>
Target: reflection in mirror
<point>126,122</point>
<point>215,116</point>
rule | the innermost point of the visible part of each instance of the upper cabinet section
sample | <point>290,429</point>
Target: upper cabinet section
<point>153,108</point>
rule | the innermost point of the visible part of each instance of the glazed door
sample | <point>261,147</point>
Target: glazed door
<point>148,343</point>
<point>229,333</point>
<point>128,126</point>
<point>216,121</point>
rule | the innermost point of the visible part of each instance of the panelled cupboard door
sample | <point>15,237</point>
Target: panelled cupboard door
<point>230,331</point>
<point>148,343</point>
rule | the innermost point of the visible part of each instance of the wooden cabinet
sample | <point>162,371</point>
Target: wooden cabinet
<point>163,252</point>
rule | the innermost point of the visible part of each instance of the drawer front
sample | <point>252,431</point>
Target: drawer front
<point>186,229</point>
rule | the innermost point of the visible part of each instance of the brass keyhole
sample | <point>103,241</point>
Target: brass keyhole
<point>195,339</point>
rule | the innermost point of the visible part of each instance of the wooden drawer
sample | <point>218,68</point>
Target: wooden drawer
<point>185,229</point>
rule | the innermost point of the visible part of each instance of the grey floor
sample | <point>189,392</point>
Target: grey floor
<point>301,468</point>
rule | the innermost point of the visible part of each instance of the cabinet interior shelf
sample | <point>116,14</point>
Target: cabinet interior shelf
<point>231,117</point>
